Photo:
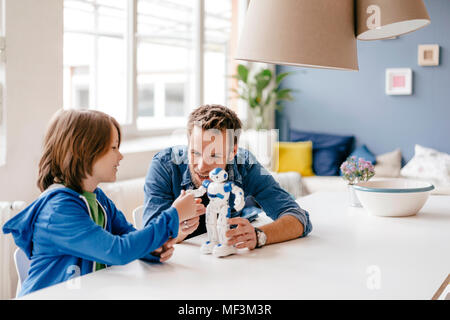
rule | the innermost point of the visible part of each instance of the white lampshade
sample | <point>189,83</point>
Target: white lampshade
<point>382,19</point>
<point>307,33</point>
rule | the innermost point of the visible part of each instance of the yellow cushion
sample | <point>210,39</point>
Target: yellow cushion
<point>295,156</point>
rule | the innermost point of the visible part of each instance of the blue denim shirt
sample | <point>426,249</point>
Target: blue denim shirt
<point>169,173</point>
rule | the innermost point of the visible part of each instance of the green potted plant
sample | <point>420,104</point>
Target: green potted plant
<point>262,93</point>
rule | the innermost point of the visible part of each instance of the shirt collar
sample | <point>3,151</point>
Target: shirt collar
<point>233,173</point>
<point>187,179</point>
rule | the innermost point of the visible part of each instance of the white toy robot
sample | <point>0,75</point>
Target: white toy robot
<point>218,193</point>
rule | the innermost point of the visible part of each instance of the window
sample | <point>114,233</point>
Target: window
<point>165,51</point>
<point>148,63</point>
<point>218,43</point>
<point>95,56</point>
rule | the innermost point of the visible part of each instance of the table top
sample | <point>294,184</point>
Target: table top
<point>349,254</point>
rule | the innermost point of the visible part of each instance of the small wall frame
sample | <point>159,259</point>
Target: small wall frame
<point>399,81</point>
<point>428,55</point>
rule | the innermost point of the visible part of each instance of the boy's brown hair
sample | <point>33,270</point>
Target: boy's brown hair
<point>75,139</point>
<point>214,116</point>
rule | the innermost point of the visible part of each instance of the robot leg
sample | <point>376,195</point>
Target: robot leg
<point>222,249</point>
<point>211,229</point>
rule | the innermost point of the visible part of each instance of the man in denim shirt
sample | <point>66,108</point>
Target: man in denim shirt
<point>213,142</point>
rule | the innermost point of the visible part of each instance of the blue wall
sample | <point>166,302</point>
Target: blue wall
<point>349,102</point>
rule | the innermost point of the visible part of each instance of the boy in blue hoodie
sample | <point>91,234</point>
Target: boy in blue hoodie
<point>73,223</point>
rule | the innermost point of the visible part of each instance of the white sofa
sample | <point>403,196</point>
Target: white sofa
<point>129,194</point>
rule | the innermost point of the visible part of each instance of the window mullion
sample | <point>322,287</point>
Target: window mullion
<point>94,72</point>
<point>199,40</point>
<point>132,91</point>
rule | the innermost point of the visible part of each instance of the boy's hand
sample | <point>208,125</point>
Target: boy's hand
<point>190,225</point>
<point>166,251</point>
<point>187,206</point>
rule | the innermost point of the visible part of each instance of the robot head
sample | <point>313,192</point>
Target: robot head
<point>218,175</point>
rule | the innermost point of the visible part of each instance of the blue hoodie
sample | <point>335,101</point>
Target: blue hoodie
<point>57,233</point>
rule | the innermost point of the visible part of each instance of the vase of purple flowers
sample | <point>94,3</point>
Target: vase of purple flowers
<point>354,171</point>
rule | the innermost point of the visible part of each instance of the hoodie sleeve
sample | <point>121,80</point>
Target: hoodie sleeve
<point>74,233</point>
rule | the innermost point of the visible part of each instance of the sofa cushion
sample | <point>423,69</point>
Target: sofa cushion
<point>291,182</point>
<point>389,164</point>
<point>428,164</point>
<point>294,156</point>
<point>329,151</point>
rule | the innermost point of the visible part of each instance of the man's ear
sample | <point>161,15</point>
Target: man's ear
<point>232,155</point>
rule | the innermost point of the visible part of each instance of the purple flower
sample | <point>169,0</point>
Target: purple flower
<point>354,171</point>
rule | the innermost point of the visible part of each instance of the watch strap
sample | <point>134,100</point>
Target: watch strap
<point>258,245</point>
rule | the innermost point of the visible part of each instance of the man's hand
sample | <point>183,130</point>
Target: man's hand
<point>166,251</point>
<point>243,236</point>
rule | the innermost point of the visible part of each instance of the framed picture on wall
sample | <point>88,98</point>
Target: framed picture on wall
<point>428,55</point>
<point>399,81</point>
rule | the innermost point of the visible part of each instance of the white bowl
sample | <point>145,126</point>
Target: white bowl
<point>393,197</point>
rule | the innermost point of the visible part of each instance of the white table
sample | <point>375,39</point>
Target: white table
<point>349,255</point>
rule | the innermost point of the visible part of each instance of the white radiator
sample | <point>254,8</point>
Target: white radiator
<point>8,275</point>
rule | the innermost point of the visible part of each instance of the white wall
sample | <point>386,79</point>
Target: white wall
<point>33,89</point>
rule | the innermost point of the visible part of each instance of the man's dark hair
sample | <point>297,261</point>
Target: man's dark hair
<point>214,116</point>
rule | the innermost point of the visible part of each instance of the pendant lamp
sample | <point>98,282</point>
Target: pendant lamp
<point>323,33</point>
<point>307,33</point>
<point>382,19</point>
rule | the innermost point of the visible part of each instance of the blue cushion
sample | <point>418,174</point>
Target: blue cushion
<point>329,151</point>
<point>364,152</point>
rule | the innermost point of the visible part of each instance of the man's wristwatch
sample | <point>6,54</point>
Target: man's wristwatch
<point>261,238</point>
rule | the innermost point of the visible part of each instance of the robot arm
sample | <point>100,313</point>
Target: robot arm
<point>201,190</point>
<point>197,192</point>
<point>239,201</point>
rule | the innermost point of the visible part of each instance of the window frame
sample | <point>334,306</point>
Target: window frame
<point>130,130</point>
<point>131,38</point>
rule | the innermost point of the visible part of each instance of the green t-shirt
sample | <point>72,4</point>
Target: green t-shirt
<point>97,216</point>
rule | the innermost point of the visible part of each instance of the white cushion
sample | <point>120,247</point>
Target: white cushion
<point>429,164</point>
<point>389,164</point>
<point>290,181</point>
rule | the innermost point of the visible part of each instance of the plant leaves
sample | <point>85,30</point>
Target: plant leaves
<point>263,79</point>
<point>281,76</point>
<point>284,94</point>
<point>242,73</point>
<point>252,102</point>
